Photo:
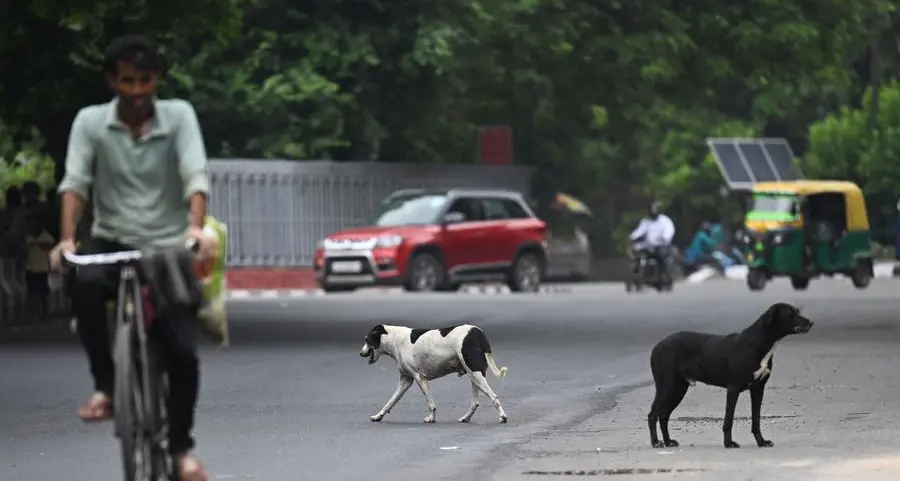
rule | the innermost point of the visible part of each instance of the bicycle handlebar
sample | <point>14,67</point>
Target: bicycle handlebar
<point>113,258</point>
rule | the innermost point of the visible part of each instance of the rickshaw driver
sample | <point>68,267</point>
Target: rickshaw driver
<point>800,208</point>
<point>658,231</point>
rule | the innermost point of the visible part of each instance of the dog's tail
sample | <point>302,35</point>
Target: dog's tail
<point>498,371</point>
<point>489,354</point>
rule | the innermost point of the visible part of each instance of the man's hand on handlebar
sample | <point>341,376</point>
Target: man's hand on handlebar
<point>64,246</point>
<point>205,246</point>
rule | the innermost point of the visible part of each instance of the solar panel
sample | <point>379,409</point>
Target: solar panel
<point>782,158</point>
<point>756,159</point>
<point>744,162</point>
<point>730,163</point>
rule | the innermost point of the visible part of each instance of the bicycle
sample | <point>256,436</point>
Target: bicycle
<point>139,399</point>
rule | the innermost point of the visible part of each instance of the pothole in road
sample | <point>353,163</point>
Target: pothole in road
<point>613,472</point>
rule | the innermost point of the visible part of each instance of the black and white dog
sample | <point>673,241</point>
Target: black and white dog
<point>426,354</point>
<point>737,362</point>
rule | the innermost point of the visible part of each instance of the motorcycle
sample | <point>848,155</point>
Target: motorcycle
<point>726,256</point>
<point>648,271</point>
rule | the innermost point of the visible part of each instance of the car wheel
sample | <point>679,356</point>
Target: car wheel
<point>526,273</point>
<point>425,273</point>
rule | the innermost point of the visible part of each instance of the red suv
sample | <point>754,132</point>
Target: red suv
<point>437,240</point>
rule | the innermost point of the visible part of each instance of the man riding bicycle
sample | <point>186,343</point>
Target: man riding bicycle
<point>145,161</point>
<point>657,231</point>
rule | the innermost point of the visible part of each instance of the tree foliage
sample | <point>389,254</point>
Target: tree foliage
<point>610,100</point>
<point>844,146</point>
<point>51,52</point>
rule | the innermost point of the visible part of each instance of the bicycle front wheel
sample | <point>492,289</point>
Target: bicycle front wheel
<point>126,424</point>
<point>140,424</point>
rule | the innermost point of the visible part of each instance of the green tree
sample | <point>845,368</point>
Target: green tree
<point>611,100</point>
<point>51,51</point>
<point>843,146</point>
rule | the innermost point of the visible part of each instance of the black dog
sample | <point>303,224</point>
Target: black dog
<point>736,362</point>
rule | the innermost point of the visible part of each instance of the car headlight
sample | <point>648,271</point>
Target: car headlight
<point>778,238</point>
<point>389,241</point>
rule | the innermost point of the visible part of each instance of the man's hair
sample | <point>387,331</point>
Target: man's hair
<point>136,50</point>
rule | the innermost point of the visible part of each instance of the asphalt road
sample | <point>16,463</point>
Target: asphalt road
<point>290,399</point>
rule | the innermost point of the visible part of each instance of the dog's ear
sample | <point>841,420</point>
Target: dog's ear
<point>770,315</point>
<point>373,338</point>
<point>781,312</point>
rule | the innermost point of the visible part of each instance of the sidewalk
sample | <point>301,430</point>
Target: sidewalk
<point>831,409</point>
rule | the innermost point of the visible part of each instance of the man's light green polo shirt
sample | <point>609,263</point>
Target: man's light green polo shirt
<point>140,186</point>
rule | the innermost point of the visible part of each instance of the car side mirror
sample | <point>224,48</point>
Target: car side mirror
<point>454,217</point>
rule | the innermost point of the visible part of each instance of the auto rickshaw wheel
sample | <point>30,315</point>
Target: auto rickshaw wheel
<point>800,283</point>
<point>756,279</point>
<point>862,275</point>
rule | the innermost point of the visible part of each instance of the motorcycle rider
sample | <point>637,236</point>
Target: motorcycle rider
<point>657,229</point>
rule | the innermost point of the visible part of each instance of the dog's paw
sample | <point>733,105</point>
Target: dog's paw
<point>656,443</point>
<point>503,419</point>
<point>731,444</point>
<point>671,443</point>
<point>463,419</point>
<point>429,419</point>
<point>376,417</point>
<point>765,443</point>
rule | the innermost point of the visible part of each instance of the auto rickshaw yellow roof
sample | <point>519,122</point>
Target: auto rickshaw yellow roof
<point>856,217</point>
<point>806,187</point>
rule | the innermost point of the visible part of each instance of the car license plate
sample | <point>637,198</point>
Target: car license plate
<point>346,267</point>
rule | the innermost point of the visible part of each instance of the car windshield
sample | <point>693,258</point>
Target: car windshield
<point>773,207</point>
<point>410,210</point>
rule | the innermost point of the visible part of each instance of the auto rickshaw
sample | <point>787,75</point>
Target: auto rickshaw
<point>804,229</point>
